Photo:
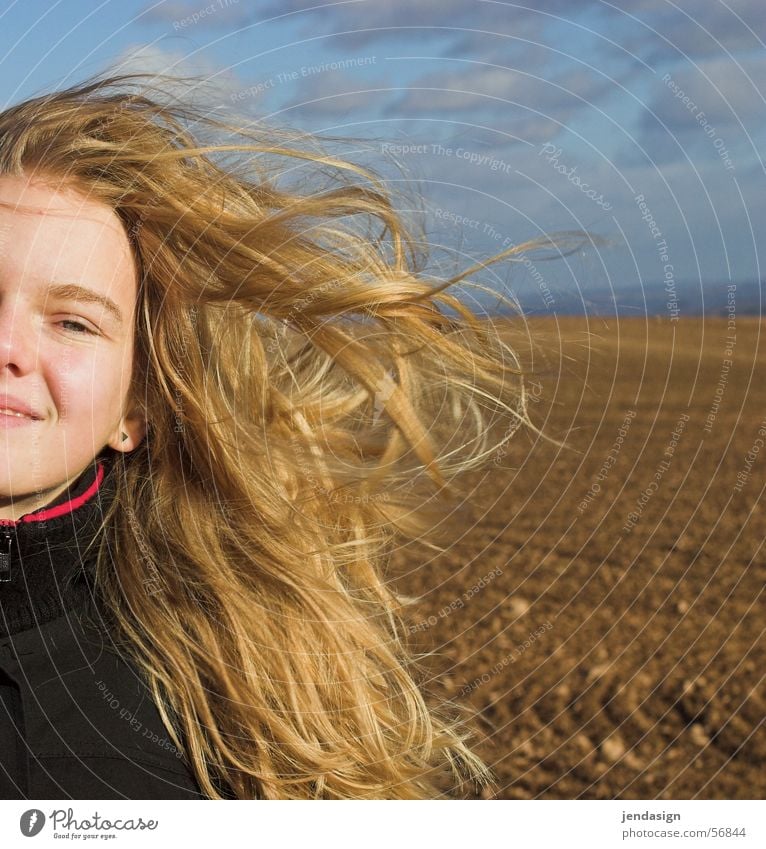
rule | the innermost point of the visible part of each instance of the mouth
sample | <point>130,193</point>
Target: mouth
<point>13,407</point>
<point>7,416</point>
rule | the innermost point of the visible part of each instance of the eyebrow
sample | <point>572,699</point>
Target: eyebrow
<point>74,292</point>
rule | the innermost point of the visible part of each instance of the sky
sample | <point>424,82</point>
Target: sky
<point>640,123</point>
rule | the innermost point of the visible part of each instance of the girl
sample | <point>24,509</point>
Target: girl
<point>222,406</point>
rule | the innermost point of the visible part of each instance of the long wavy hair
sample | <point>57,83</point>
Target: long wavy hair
<point>308,402</point>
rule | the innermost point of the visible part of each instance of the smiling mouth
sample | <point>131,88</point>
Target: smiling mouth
<point>6,412</point>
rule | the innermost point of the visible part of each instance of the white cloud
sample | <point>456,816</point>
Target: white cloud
<point>211,86</point>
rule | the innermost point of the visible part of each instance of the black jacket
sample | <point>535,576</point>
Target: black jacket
<point>76,719</point>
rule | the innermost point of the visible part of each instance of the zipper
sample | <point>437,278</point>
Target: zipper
<point>5,556</point>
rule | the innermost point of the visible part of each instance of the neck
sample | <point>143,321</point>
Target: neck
<point>13,508</point>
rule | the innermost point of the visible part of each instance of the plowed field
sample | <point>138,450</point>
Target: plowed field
<point>601,608</point>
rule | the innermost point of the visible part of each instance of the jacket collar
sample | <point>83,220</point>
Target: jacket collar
<point>45,554</point>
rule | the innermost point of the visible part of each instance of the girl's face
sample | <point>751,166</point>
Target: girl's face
<point>67,299</point>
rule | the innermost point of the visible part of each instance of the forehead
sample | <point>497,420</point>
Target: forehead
<point>52,233</point>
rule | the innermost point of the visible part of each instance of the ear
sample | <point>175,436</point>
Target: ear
<point>130,432</point>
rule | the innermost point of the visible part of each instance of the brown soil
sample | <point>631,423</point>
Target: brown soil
<point>603,660</point>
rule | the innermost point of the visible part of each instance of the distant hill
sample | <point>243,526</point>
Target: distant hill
<point>692,299</point>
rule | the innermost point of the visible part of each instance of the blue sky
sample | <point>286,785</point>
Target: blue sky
<point>639,121</point>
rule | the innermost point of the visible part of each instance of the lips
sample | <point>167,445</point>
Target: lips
<point>15,414</point>
<point>12,406</point>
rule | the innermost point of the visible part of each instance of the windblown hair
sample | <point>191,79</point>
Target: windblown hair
<point>306,396</point>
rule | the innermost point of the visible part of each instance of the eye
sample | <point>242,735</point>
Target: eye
<point>81,327</point>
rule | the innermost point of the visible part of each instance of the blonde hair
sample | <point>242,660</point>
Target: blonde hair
<point>304,393</point>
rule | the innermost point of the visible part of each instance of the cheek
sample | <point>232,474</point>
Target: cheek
<point>89,386</point>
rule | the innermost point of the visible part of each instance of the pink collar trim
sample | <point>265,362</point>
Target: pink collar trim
<point>61,509</point>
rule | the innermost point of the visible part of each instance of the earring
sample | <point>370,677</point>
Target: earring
<point>124,436</point>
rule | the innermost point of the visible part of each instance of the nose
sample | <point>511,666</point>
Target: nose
<point>18,341</point>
